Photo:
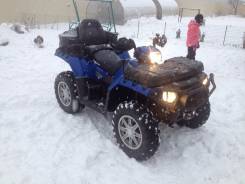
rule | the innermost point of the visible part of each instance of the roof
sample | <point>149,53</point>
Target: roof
<point>147,3</point>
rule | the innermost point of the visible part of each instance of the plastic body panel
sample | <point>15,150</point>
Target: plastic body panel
<point>87,68</point>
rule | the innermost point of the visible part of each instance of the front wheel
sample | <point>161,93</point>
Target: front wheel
<point>199,117</point>
<point>66,93</point>
<point>135,130</point>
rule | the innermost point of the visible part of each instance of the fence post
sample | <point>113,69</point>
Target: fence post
<point>225,34</point>
<point>165,26</point>
<point>138,30</point>
<point>138,27</point>
<point>178,33</point>
<point>202,37</point>
<point>244,40</point>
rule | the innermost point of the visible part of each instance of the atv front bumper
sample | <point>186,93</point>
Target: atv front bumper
<point>188,101</point>
<point>211,81</point>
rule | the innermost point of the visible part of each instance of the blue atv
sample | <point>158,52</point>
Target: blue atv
<point>141,92</point>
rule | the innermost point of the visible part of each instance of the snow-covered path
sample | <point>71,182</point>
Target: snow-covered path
<point>40,144</point>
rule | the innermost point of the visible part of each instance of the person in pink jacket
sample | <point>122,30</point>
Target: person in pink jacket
<point>193,36</point>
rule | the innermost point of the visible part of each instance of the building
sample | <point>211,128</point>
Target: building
<point>210,7</point>
<point>36,11</point>
<point>53,11</point>
<point>134,9</point>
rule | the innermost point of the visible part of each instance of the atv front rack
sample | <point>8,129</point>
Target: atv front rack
<point>211,80</point>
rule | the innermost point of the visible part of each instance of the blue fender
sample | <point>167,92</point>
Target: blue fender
<point>83,67</point>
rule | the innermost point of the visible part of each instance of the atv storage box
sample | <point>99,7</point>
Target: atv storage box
<point>175,69</point>
<point>73,42</point>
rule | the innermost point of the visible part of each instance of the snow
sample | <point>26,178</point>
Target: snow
<point>42,144</point>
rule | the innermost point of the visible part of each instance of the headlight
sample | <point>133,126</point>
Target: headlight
<point>155,58</point>
<point>169,97</point>
<point>205,81</point>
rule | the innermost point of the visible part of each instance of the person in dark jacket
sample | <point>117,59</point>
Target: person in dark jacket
<point>194,35</point>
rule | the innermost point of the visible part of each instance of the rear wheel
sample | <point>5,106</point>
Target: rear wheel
<point>198,117</point>
<point>66,92</point>
<point>135,130</point>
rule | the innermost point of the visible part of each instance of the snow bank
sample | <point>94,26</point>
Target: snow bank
<point>42,144</point>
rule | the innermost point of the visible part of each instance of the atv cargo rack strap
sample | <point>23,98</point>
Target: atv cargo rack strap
<point>211,80</point>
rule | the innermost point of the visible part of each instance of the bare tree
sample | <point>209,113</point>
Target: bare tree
<point>234,4</point>
<point>158,8</point>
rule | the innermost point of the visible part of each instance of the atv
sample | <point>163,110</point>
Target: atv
<point>141,92</point>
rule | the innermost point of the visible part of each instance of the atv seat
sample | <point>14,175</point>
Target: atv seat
<point>172,70</point>
<point>90,32</point>
<point>108,60</point>
<point>96,43</point>
<point>92,49</point>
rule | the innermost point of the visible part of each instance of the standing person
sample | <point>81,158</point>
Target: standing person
<point>194,35</point>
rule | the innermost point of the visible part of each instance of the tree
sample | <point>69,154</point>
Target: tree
<point>234,4</point>
<point>158,8</point>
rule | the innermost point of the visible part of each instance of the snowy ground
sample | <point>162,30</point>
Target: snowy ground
<point>40,144</point>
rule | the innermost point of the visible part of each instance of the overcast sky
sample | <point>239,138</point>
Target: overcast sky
<point>147,3</point>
